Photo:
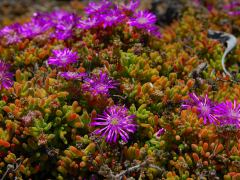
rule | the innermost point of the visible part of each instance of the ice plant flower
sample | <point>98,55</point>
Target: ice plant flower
<point>72,75</point>
<point>115,122</point>
<point>159,133</point>
<point>94,8</point>
<point>88,23</point>
<point>12,38</point>
<point>6,78</point>
<point>32,29</point>
<point>63,57</point>
<point>228,113</point>
<point>64,28</point>
<point>146,21</point>
<point>7,30</point>
<point>113,17</point>
<point>10,34</point>
<point>131,6</point>
<point>42,18</point>
<point>98,85</point>
<point>154,31</point>
<point>204,107</point>
<point>143,20</point>
<point>58,15</point>
<point>233,8</point>
<point>61,34</point>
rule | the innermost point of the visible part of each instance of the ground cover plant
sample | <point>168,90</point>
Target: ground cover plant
<point>106,93</point>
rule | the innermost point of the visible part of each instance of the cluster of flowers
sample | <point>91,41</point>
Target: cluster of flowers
<point>61,21</point>
<point>115,119</point>
<point>96,85</point>
<point>106,14</point>
<point>224,113</point>
<point>233,8</point>
<point>61,24</point>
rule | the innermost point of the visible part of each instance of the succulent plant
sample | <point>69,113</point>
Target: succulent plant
<point>112,95</point>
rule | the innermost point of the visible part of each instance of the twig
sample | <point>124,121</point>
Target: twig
<point>230,80</point>
<point>122,97</point>
<point>145,163</point>
<point>200,68</point>
<point>10,167</point>
<point>131,169</point>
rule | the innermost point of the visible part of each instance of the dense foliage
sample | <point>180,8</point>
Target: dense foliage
<point>106,95</point>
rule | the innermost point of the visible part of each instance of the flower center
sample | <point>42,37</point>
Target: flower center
<point>114,121</point>
<point>108,18</point>
<point>71,74</point>
<point>90,23</point>
<point>36,29</point>
<point>205,109</point>
<point>64,59</point>
<point>101,87</point>
<point>97,7</point>
<point>142,20</point>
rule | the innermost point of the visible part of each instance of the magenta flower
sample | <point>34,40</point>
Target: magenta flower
<point>12,38</point>
<point>113,17</point>
<point>233,8</point>
<point>10,34</point>
<point>67,23</point>
<point>131,6</point>
<point>146,21</point>
<point>94,8</point>
<point>32,29</point>
<point>64,28</point>
<point>7,30</point>
<point>204,107</point>
<point>6,78</point>
<point>228,113</point>
<point>61,20</point>
<point>72,75</point>
<point>154,31</point>
<point>143,20</point>
<point>116,122</point>
<point>98,85</point>
<point>42,18</point>
<point>160,132</point>
<point>62,58</point>
<point>62,35</point>
<point>53,18</point>
<point>88,23</point>
<point>59,15</point>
